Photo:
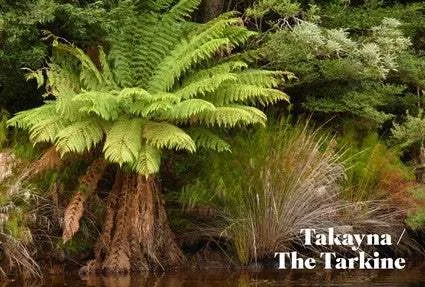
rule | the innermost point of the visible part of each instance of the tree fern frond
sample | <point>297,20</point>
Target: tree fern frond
<point>257,115</point>
<point>183,9</point>
<point>62,80</point>
<point>207,139</point>
<point>204,85</point>
<point>165,135</point>
<point>181,59</point>
<point>221,68</point>
<point>231,116</point>
<point>134,94</point>
<point>26,119</point>
<point>36,75</point>
<point>80,136</point>
<point>148,161</point>
<point>233,92</point>
<point>106,72</point>
<point>43,123</point>
<point>89,69</point>
<point>250,56</point>
<point>261,78</point>
<point>123,141</point>
<point>199,48</point>
<point>139,102</point>
<point>186,109</point>
<point>148,110</point>
<point>156,75</point>
<point>69,108</point>
<point>213,29</point>
<point>239,35</point>
<point>103,104</point>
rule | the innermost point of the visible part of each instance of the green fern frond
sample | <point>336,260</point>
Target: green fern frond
<point>148,161</point>
<point>186,109</point>
<point>204,85</point>
<point>43,123</point>
<point>156,75</point>
<point>45,130</point>
<point>257,116</point>
<point>181,59</point>
<point>36,75</point>
<point>239,35</point>
<point>62,81</point>
<point>208,140</point>
<point>233,92</point>
<point>215,69</point>
<point>80,136</point>
<point>183,9</point>
<point>134,94</point>
<point>68,108</point>
<point>124,141</point>
<point>106,72</point>
<point>232,116</point>
<point>151,109</point>
<point>103,104</point>
<point>214,29</point>
<point>89,69</point>
<point>262,78</point>
<point>165,135</point>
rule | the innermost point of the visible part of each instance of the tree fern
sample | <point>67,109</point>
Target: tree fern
<point>159,86</point>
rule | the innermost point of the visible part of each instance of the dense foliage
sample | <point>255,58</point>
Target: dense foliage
<point>126,83</point>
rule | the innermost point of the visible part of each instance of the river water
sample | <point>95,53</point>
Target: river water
<point>412,276</point>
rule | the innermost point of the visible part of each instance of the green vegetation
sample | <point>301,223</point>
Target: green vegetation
<point>110,107</point>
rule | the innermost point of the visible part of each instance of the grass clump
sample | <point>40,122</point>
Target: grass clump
<point>281,180</point>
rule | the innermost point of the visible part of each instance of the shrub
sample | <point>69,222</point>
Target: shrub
<point>374,171</point>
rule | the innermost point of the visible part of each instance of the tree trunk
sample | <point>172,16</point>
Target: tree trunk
<point>210,9</point>
<point>136,235</point>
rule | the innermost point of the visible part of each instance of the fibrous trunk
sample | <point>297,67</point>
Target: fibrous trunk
<point>136,235</point>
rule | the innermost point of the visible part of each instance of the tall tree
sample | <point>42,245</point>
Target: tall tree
<point>166,83</point>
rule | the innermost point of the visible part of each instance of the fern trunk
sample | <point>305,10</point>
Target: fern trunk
<point>136,235</point>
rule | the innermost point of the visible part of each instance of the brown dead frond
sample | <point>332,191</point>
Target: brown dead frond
<point>49,160</point>
<point>74,211</point>
<point>72,216</point>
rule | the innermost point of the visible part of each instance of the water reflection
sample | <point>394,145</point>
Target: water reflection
<point>414,276</point>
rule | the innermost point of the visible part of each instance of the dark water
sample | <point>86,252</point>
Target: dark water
<point>413,276</point>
